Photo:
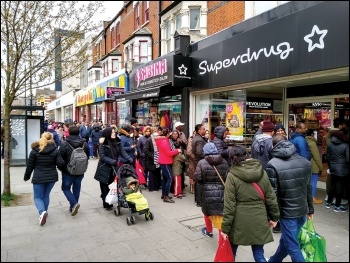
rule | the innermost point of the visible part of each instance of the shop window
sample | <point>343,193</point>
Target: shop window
<point>143,51</point>
<point>195,19</point>
<point>145,10</point>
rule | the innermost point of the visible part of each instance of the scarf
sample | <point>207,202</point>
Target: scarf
<point>155,152</point>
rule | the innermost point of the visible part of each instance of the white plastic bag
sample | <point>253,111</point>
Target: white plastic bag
<point>112,197</point>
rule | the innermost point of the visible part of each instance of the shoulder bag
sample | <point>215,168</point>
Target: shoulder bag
<point>216,170</point>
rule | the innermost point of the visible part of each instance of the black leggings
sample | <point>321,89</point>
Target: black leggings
<point>105,190</point>
<point>337,189</point>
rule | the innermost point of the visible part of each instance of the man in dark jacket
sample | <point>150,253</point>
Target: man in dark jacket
<point>85,131</point>
<point>71,184</point>
<point>290,177</point>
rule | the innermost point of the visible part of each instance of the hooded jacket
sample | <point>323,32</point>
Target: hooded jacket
<point>338,154</point>
<point>290,177</point>
<point>165,152</point>
<point>245,213</point>
<point>218,140</point>
<point>42,163</point>
<point>212,190</point>
<point>261,148</point>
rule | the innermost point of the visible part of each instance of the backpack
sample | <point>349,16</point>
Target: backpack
<point>78,162</point>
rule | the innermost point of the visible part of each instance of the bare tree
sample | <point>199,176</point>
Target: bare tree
<point>34,34</point>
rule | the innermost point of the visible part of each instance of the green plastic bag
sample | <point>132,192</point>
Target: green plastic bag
<point>312,245</point>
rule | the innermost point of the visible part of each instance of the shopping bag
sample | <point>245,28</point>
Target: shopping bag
<point>112,196</point>
<point>312,245</point>
<point>224,252</point>
<point>140,172</point>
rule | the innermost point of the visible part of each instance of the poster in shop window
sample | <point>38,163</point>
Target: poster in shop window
<point>235,120</point>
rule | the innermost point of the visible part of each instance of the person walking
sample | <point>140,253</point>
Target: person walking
<point>316,163</point>
<point>42,160</point>
<point>211,174</point>
<point>110,150</point>
<point>250,204</point>
<point>338,156</point>
<point>71,184</point>
<point>165,161</point>
<point>95,139</point>
<point>290,177</point>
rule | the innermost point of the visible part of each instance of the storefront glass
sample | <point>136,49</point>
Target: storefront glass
<point>68,114</point>
<point>123,112</point>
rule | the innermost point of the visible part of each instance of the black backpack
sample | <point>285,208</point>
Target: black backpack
<point>78,162</point>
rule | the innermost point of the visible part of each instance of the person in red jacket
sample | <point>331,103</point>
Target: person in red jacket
<point>165,161</point>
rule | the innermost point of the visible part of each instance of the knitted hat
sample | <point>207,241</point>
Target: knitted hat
<point>279,126</point>
<point>210,149</point>
<point>268,126</point>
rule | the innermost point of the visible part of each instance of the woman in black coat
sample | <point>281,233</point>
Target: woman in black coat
<point>42,160</point>
<point>110,149</point>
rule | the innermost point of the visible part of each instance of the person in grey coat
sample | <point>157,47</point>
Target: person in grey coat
<point>212,190</point>
<point>290,177</point>
<point>42,160</point>
<point>338,156</point>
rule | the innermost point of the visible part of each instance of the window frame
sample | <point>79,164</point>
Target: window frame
<point>145,11</point>
<point>113,61</point>
<point>176,21</point>
<point>141,56</point>
<point>117,33</point>
<point>97,74</point>
<point>168,36</point>
<point>198,22</point>
<point>113,38</point>
<point>136,16</point>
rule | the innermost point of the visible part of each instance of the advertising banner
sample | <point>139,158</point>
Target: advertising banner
<point>235,113</point>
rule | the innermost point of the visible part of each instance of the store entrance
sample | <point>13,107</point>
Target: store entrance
<point>318,114</point>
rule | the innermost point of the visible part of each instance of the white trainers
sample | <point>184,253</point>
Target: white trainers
<point>42,218</point>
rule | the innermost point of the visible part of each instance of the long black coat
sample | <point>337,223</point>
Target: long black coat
<point>43,164</point>
<point>212,190</point>
<point>148,150</point>
<point>338,154</point>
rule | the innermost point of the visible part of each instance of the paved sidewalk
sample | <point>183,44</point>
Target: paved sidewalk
<point>95,234</point>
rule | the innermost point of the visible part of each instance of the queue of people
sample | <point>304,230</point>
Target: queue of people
<point>242,194</point>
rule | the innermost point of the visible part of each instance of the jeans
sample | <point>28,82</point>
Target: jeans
<point>71,186</point>
<point>167,174</point>
<point>42,196</point>
<point>258,252</point>
<point>314,179</point>
<point>289,244</point>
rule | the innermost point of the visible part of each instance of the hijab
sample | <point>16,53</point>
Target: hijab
<point>112,143</point>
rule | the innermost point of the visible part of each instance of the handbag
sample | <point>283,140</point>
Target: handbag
<point>112,196</point>
<point>312,245</point>
<point>224,252</point>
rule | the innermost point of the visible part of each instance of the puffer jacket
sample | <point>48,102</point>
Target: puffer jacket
<point>65,151</point>
<point>140,151</point>
<point>212,190</point>
<point>218,140</point>
<point>165,152</point>
<point>290,177</point>
<point>42,163</point>
<point>300,144</point>
<point>198,143</point>
<point>261,148</point>
<point>338,154</point>
<point>126,142</point>
<point>245,213</point>
<point>316,162</point>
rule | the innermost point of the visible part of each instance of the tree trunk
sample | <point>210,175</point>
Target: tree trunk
<point>7,145</point>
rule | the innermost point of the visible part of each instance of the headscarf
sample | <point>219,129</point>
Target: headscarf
<point>112,143</point>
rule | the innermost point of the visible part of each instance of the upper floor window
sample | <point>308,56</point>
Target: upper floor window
<point>178,21</point>
<point>97,75</point>
<point>117,33</point>
<point>143,51</point>
<point>145,10</point>
<point>137,16</point>
<point>195,19</point>
<point>168,35</point>
<point>105,69</point>
<point>115,65</point>
<point>113,38</point>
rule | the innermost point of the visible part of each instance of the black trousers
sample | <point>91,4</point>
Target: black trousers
<point>337,189</point>
<point>105,190</point>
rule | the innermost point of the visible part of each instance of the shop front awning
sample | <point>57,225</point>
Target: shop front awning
<point>140,94</point>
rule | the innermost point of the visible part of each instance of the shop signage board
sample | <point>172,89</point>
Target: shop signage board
<point>176,70</point>
<point>313,39</point>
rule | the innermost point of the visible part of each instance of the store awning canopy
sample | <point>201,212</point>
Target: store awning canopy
<point>140,94</point>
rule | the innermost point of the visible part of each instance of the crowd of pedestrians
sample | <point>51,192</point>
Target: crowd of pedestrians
<point>245,193</point>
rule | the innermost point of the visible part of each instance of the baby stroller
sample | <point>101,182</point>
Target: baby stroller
<point>135,202</point>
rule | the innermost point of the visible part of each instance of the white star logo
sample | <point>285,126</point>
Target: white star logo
<point>308,39</point>
<point>182,69</point>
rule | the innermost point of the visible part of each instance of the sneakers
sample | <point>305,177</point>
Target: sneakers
<point>328,205</point>
<point>340,209</point>
<point>206,233</point>
<point>342,202</point>
<point>317,201</point>
<point>42,218</point>
<point>75,209</point>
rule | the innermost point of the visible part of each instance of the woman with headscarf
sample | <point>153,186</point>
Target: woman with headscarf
<point>110,149</point>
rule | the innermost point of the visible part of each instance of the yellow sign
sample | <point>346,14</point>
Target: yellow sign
<point>234,120</point>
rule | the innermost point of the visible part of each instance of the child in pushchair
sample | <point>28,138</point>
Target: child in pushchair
<point>130,195</point>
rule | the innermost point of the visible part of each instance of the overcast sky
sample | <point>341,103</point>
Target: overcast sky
<point>111,10</point>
